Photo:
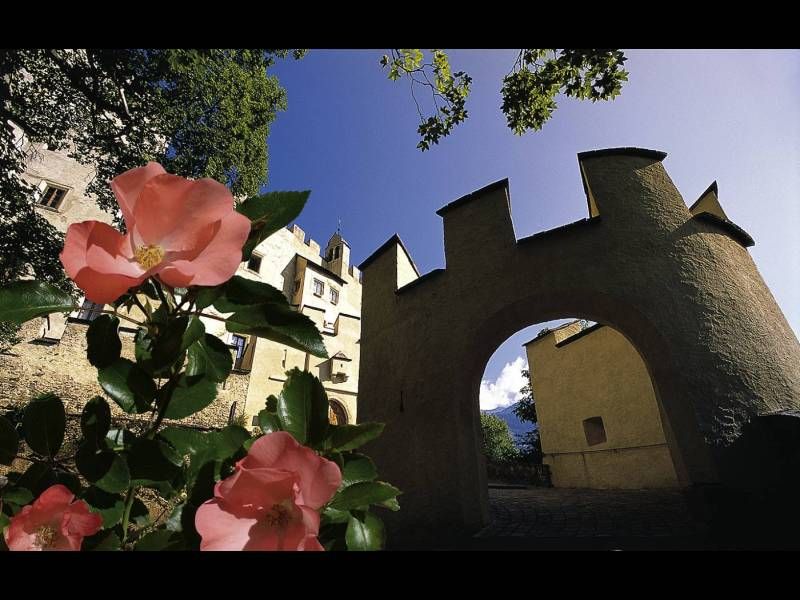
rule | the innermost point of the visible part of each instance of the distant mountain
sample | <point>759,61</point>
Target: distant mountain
<point>518,428</point>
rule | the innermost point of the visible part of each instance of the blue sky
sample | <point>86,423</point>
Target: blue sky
<point>349,135</point>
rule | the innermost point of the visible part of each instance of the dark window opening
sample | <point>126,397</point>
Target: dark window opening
<point>254,264</point>
<point>594,430</point>
<point>336,413</point>
<point>52,197</point>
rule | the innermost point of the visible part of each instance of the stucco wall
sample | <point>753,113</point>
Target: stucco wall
<point>597,374</point>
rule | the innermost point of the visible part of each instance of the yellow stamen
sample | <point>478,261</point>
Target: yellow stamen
<point>149,256</point>
<point>45,536</point>
<point>277,517</point>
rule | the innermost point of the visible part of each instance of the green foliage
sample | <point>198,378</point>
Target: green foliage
<point>44,424</point>
<point>268,213</point>
<point>528,92</point>
<point>303,408</point>
<point>128,385</point>
<point>364,532</point>
<point>210,356</point>
<point>103,343</point>
<point>22,301</point>
<point>9,442</point>
<point>498,445</point>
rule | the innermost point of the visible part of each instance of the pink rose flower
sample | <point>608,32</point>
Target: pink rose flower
<point>272,501</point>
<point>186,232</point>
<point>52,522</point>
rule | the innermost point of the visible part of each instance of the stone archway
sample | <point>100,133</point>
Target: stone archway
<point>677,282</point>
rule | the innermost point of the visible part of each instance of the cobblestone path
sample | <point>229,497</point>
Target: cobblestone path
<point>551,518</point>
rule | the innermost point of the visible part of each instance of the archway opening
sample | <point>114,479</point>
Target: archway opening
<point>570,404</point>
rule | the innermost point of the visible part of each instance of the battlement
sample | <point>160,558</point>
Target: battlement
<point>626,188</point>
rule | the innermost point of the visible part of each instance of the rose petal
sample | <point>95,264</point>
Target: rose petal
<point>318,477</point>
<point>172,211</point>
<point>221,530</point>
<point>128,186</point>
<point>217,262</point>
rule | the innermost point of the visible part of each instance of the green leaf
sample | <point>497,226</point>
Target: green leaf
<point>363,494</point>
<point>268,421</point>
<point>392,504</point>
<point>103,541</point>
<point>96,421</point>
<point>119,439</point>
<point>364,532</point>
<point>167,346</point>
<point>206,296</point>
<point>128,385</point>
<point>240,292</point>
<point>44,423</point>
<point>349,437</point>
<point>109,506</point>
<point>9,442</point>
<point>22,301</point>
<point>17,495</point>
<point>153,461</point>
<point>105,469</point>
<point>161,539</point>
<point>303,407</point>
<point>331,515</point>
<point>203,448</point>
<point>194,331</point>
<point>358,468</point>
<point>103,343</point>
<point>272,403</point>
<point>210,356</point>
<point>268,213</point>
<point>37,478</point>
<point>279,323</point>
<point>190,395</point>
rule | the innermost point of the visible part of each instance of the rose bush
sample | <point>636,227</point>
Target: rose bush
<point>296,483</point>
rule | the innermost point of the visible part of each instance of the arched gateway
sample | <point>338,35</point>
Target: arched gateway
<point>677,282</point>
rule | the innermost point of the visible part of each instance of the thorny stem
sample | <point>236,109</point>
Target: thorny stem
<point>126,515</point>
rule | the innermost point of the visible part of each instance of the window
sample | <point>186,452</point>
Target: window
<point>334,296</point>
<point>594,430</point>
<point>238,342</point>
<point>254,264</point>
<point>89,311</point>
<point>319,287</point>
<point>336,252</point>
<point>296,285</point>
<point>50,195</point>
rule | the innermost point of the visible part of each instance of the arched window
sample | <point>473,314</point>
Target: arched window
<point>337,415</point>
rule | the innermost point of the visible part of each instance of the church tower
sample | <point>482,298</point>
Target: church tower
<point>337,255</point>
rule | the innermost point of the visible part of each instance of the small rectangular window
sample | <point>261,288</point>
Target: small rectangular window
<point>319,287</point>
<point>239,342</point>
<point>334,296</point>
<point>51,196</point>
<point>90,311</point>
<point>254,264</point>
<point>595,431</point>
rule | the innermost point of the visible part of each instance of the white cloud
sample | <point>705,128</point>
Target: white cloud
<point>505,389</point>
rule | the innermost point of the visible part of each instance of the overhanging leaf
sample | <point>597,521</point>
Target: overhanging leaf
<point>210,356</point>
<point>364,532</point>
<point>281,324</point>
<point>22,301</point>
<point>303,407</point>
<point>190,395</point>
<point>268,213</point>
<point>349,437</point>
<point>363,494</point>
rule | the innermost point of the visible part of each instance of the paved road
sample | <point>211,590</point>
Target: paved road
<point>551,518</point>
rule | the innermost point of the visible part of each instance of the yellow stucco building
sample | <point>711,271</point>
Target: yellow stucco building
<point>319,282</point>
<point>599,420</point>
